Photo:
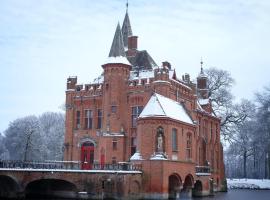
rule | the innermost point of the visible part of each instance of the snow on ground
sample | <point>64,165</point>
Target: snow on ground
<point>248,184</point>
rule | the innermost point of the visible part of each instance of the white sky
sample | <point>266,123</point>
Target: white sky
<point>43,42</point>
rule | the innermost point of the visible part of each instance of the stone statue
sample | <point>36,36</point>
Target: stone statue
<point>160,143</point>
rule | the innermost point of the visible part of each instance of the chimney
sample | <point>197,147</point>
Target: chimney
<point>132,42</point>
<point>166,64</point>
<point>187,78</point>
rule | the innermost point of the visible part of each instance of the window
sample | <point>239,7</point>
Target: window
<point>205,134</point>
<point>113,160</point>
<point>189,146</point>
<point>217,160</point>
<point>136,111</point>
<point>114,109</point>
<point>114,144</point>
<point>78,119</point>
<point>174,140</point>
<point>88,119</point>
<point>133,145</point>
<point>211,131</point>
<point>99,121</point>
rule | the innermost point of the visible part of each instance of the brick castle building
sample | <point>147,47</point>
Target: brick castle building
<point>137,111</point>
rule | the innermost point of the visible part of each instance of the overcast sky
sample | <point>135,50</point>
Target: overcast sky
<point>42,42</point>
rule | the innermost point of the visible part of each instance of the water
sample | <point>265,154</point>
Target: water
<point>239,195</point>
<point>232,195</point>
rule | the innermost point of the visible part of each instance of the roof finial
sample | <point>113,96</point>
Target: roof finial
<point>201,65</point>
<point>127,6</point>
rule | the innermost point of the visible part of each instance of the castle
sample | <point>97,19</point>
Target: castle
<point>139,112</point>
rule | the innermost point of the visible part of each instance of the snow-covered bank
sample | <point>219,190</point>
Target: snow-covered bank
<point>259,184</point>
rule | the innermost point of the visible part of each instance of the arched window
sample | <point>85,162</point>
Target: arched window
<point>160,143</point>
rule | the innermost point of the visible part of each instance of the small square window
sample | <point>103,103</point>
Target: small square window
<point>114,109</point>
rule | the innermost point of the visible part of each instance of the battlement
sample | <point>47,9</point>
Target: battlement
<point>71,82</point>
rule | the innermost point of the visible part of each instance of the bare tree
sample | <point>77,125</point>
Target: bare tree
<point>220,83</point>
<point>263,117</point>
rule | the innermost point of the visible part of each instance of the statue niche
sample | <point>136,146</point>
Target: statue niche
<point>160,143</point>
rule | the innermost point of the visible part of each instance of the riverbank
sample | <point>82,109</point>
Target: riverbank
<point>255,184</point>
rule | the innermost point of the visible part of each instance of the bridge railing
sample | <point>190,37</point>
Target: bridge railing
<point>67,165</point>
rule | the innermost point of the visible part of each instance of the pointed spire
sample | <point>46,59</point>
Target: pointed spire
<point>117,48</point>
<point>201,65</point>
<point>174,75</point>
<point>202,74</point>
<point>126,28</point>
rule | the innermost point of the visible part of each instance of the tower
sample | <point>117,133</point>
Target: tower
<point>202,84</point>
<point>116,74</point>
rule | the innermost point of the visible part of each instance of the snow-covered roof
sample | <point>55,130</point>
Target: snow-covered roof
<point>203,101</point>
<point>136,156</point>
<point>99,79</point>
<point>116,60</point>
<point>158,157</point>
<point>71,171</point>
<point>142,74</point>
<point>160,106</point>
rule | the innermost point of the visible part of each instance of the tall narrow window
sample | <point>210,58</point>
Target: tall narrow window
<point>78,119</point>
<point>99,121</point>
<point>174,140</point>
<point>114,144</point>
<point>113,160</point>
<point>189,146</point>
<point>136,111</point>
<point>88,119</point>
<point>211,131</point>
<point>205,134</point>
<point>133,145</point>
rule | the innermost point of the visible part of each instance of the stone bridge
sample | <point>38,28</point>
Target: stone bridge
<point>110,182</point>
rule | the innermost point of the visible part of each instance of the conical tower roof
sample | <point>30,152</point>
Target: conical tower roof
<point>126,30</point>
<point>117,48</point>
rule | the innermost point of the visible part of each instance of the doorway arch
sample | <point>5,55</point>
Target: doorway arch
<point>87,155</point>
<point>197,190</point>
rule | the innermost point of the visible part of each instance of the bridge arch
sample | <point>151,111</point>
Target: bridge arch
<point>9,187</point>
<point>50,188</point>
<point>187,187</point>
<point>175,185</point>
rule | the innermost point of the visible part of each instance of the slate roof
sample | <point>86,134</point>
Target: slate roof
<point>117,48</point>
<point>141,61</point>
<point>126,30</point>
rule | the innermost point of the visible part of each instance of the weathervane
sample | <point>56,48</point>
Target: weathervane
<point>201,64</point>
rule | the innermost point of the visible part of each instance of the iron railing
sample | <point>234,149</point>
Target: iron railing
<point>68,165</point>
<point>202,169</point>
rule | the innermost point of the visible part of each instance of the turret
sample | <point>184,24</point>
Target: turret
<point>202,84</point>
<point>116,74</point>
<point>162,85</point>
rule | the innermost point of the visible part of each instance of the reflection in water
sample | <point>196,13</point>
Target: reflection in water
<point>240,195</point>
<point>230,195</point>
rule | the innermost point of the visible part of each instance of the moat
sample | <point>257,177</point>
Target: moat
<point>234,194</point>
<point>238,194</point>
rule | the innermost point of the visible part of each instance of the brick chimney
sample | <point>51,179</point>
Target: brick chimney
<point>132,42</point>
<point>132,45</point>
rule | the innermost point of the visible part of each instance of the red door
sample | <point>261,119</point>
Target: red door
<point>87,155</point>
